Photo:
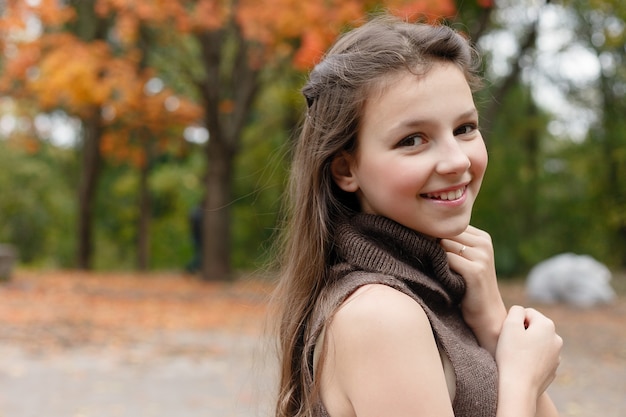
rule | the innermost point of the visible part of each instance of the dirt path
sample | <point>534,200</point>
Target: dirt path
<point>140,381</point>
<point>76,346</point>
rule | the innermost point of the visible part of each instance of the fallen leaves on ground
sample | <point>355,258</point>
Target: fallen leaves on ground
<point>140,318</point>
<point>70,308</point>
<point>73,308</point>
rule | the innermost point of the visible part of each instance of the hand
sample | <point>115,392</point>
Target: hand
<point>528,352</point>
<point>471,255</point>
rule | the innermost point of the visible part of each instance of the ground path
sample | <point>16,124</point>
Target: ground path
<point>106,345</point>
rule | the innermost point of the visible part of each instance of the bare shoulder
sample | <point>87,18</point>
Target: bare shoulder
<point>378,318</point>
<point>379,304</point>
<point>380,342</point>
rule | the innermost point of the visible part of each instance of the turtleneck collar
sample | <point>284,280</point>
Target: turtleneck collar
<point>377,244</point>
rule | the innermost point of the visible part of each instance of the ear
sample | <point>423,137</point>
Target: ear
<point>341,170</point>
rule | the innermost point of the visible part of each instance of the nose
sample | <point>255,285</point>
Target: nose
<point>453,158</point>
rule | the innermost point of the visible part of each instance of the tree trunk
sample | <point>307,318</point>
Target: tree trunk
<point>511,80</point>
<point>88,27</point>
<point>228,96</point>
<point>216,215</point>
<point>91,165</point>
<point>614,192</point>
<point>145,216</point>
<point>531,162</point>
<point>145,43</point>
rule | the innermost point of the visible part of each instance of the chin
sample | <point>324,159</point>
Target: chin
<point>451,232</point>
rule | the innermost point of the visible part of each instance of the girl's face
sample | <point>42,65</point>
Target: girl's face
<point>420,158</point>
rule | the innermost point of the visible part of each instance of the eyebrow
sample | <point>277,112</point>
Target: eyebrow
<point>418,122</point>
<point>470,113</point>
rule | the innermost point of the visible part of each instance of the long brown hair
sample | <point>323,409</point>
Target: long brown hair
<point>357,65</point>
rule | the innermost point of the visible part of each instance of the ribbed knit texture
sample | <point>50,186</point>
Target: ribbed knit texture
<point>375,250</point>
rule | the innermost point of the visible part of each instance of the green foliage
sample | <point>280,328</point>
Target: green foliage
<point>544,194</point>
<point>543,199</point>
<point>261,170</point>
<point>601,27</point>
<point>116,219</point>
<point>37,204</point>
<point>174,187</point>
<point>503,205</point>
<point>174,55</point>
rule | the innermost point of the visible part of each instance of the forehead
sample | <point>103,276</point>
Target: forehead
<point>438,91</point>
<point>417,73</point>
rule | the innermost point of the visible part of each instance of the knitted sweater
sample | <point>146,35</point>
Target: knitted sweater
<point>375,250</point>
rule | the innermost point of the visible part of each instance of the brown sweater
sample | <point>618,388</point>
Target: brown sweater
<point>375,250</point>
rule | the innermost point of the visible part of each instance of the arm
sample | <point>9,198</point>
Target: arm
<point>545,407</point>
<point>483,308</point>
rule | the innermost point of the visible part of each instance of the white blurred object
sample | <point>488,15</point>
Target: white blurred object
<point>579,280</point>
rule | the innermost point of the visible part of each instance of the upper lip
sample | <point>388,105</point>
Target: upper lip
<point>448,189</point>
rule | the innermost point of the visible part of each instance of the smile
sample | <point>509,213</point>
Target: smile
<point>446,195</point>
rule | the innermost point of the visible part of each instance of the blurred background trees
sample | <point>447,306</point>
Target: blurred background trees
<point>118,118</point>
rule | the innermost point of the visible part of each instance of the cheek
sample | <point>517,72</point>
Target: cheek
<point>410,182</point>
<point>390,181</point>
<point>401,177</point>
<point>479,159</point>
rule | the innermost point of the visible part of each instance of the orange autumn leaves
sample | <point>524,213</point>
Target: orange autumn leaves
<point>106,78</point>
<point>182,15</point>
<point>88,80</point>
<point>72,307</point>
<point>276,29</point>
<point>97,79</point>
<point>304,30</point>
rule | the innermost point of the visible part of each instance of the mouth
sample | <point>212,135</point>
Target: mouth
<point>446,195</point>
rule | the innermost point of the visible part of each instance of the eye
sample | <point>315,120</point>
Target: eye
<point>465,129</point>
<point>411,141</point>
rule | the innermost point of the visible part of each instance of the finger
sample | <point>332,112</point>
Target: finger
<point>465,238</point>
<point>473,237</point>
<point>475,231</point>
<point>461,251</point>
<point>517,314</point>
<point>533,315</point>
<point>455,246</point>
<point>458,257</point>
<point>539,322</point>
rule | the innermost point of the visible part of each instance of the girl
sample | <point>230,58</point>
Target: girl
<point>389,299</point>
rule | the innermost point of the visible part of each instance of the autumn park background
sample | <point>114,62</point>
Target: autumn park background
<point>118,118</point>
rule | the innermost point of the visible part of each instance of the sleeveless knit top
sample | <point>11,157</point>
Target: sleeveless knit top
<point>372,249</point>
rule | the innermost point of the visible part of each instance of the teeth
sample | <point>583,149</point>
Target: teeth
<point>450,195</point>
